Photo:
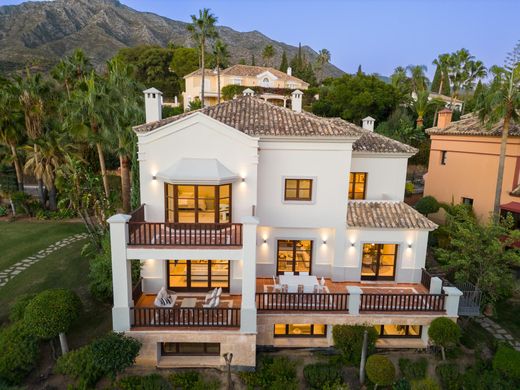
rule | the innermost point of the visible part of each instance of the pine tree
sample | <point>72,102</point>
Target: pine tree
<point>359,70</point>
<point>284,64</point>
<point>436,80</point>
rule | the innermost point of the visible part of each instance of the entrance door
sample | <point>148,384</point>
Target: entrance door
<point>198,275</point>
<point>294,256</point>
<point>378,262</point>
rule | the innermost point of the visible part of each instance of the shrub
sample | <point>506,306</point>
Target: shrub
<point>408,188</point>
<point>3,211</point>
<point>106,356</point>
<point>425,384</point>
<point>380,370</point>
<point>17,309</point>
<point>319,375</point>
<point>483,377</point>
<point>147,382</point>
<point>427,205</point>
<point>413,369</point>
<point>19,352</point>
<point>402,384</point>
<point>348,339</point>
<point>192,380</point>
<point>24,203</point>
<point>272,373</point>
<point>337,386</point>
<point>449,376</point>
<point>444,333</point>
<point>507,362</point>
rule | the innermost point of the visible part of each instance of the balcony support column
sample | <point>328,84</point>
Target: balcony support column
<point>248,307</point>
<point>435,285</point>
<point>452,301</point>
<point>121,273</point>
<point>354,300</point>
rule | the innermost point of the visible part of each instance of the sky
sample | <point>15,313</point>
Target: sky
<point>378,34</point>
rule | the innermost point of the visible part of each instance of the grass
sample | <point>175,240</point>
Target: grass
<point>65,268</point>
<point>474,335</point>
<point>24,238</point>
<point>507,314</point>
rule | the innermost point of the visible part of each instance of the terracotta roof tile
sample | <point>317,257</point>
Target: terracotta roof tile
<point>386,215</point>
<point>472,125</point>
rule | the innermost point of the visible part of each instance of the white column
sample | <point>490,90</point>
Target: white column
<point>354,299</point>
<point>452,301</point>
<point>338,267</point>
<point>435,285</point>
<point>121,273</point>
<point>248,307</point>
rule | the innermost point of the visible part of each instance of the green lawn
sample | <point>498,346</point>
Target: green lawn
<point>65,268</point>
<point>508,315</point>
<point>22,238</point>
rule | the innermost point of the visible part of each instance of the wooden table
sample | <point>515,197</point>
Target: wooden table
<point>189,302</point>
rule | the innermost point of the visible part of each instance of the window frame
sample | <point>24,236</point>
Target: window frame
<point>188,287</point>
<point>294,250</point>
<point>164,353</point>
<point>469,203</point>
<point>444,157</point>
<point>407,334</point>
<point>298,198</point>
<point>379,246</point>
<point>351,196</point>
<point>288,335</point>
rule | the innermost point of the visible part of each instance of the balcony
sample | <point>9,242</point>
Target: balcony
<point>185,235</point>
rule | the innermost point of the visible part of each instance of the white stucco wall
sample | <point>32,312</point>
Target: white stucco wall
<point>386,177</point>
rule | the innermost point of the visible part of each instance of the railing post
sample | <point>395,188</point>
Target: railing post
<point>248,306</point>
<point>435,285</point>
<point>121,273</point>
<point>452,301</point>
<point>354,299</point>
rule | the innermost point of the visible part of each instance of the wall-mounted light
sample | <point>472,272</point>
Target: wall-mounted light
<point>410,246</point>
<point>352,244</point>
<point>243,180</point>
<point>265,240</point>
<point>154,177</point>
<point>324,242</point>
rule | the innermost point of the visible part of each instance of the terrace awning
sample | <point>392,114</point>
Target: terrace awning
<point>208,171</point>
<point>513,207</point>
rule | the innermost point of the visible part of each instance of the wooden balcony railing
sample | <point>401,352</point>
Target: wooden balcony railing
<point>402,302</point>
<point>426,278</point>
<point>302,301</point>
<point>185,317</point>
<point>185,234</point>
<point>137,290</point>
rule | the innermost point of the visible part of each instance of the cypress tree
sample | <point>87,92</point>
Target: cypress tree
<point>284,64</point>
<point>436,80</point>
<point>446,90</point>
<point>253,60</point>
<point>359,70</point>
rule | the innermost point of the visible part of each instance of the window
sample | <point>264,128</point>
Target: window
<point>357,185</point>
<point>378,261</point>
<point>236,81</point>
<point>198,275</point>
<point>399,331</point>
<point>444,156</point>
<point>294,256</point>
<point>190,349</point>
<point>467,202</point>
<point>198,204</point>
<point>298,189</point>
<point>300,330</point>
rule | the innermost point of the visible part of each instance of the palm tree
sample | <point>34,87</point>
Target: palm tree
<point>442,63</point>
<point>322,60</point>
<point>401,82</point>
<point>11,128</point>
<point>203,28</point>
<point>268,54</point>
<point>72,69</point>
<point>418,76</point>
<point>420,105</point>
<point>221,55</point>
<point>86,112</point>
<point>501,103</point>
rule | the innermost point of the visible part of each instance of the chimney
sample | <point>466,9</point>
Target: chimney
<point>296,100</point>
<point>444,118</point>
<point>248,92</point>
<point>368,123</point>
<point>289,71</point>
<point>153,105</point>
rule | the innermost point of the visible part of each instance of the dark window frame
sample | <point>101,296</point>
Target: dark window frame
<point>407,334</point>
<point>294,250</point>
<point>378,254</point>
<point>298,198</point>
<point>175,198</point>
<point>312,335</point>
<point>188,277</point>
<point>351,194</point>
<point>444,157</point>
<point>177,344</point>
<point>467,201</point>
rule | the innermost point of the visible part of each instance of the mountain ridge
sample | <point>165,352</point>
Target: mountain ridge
<point>39,33</point>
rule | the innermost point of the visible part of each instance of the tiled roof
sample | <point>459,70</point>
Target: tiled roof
<point>386,215</point>
<point>472,125</point>
<point>250,71</point>
<point>258,118</point>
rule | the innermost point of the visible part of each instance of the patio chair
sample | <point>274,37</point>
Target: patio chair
<point>219,292</point>
<point>163,299</point>
<point>210,295</point>
<point>210,304</point>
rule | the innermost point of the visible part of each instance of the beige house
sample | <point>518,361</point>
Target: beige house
<point>246,75</point>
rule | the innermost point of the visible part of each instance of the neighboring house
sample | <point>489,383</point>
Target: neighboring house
<point>298,221</point>
<point>246,75</point>
<point>463,165</point>
<point>450,102</point>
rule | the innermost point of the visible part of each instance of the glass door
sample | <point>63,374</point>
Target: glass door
<point>198,275</point>
<point>294,256</point>
<point>378,261</point>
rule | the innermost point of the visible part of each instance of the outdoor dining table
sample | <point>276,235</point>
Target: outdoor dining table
<point>293,281</point>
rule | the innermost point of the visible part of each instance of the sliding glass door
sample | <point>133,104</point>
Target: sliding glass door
<point>198,275</point>
<point>378,262</point>
<point>294,256</point>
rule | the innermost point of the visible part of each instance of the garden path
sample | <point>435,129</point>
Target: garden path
<point>498,332</point>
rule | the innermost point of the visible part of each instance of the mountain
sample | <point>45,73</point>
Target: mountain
<point>39,33</point>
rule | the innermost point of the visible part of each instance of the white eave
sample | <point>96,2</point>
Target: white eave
<point>208,171</point>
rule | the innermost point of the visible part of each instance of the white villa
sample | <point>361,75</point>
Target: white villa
<point>266,226</point>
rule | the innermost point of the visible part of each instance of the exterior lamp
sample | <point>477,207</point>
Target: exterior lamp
<point>409,246</point>
<point>352,244</point>
<point>324,242</point>
<point>154,177</point>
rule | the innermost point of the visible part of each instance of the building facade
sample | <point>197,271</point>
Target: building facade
<point>261,226</point>
<point>244,75</point>
<point>463,165</point>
